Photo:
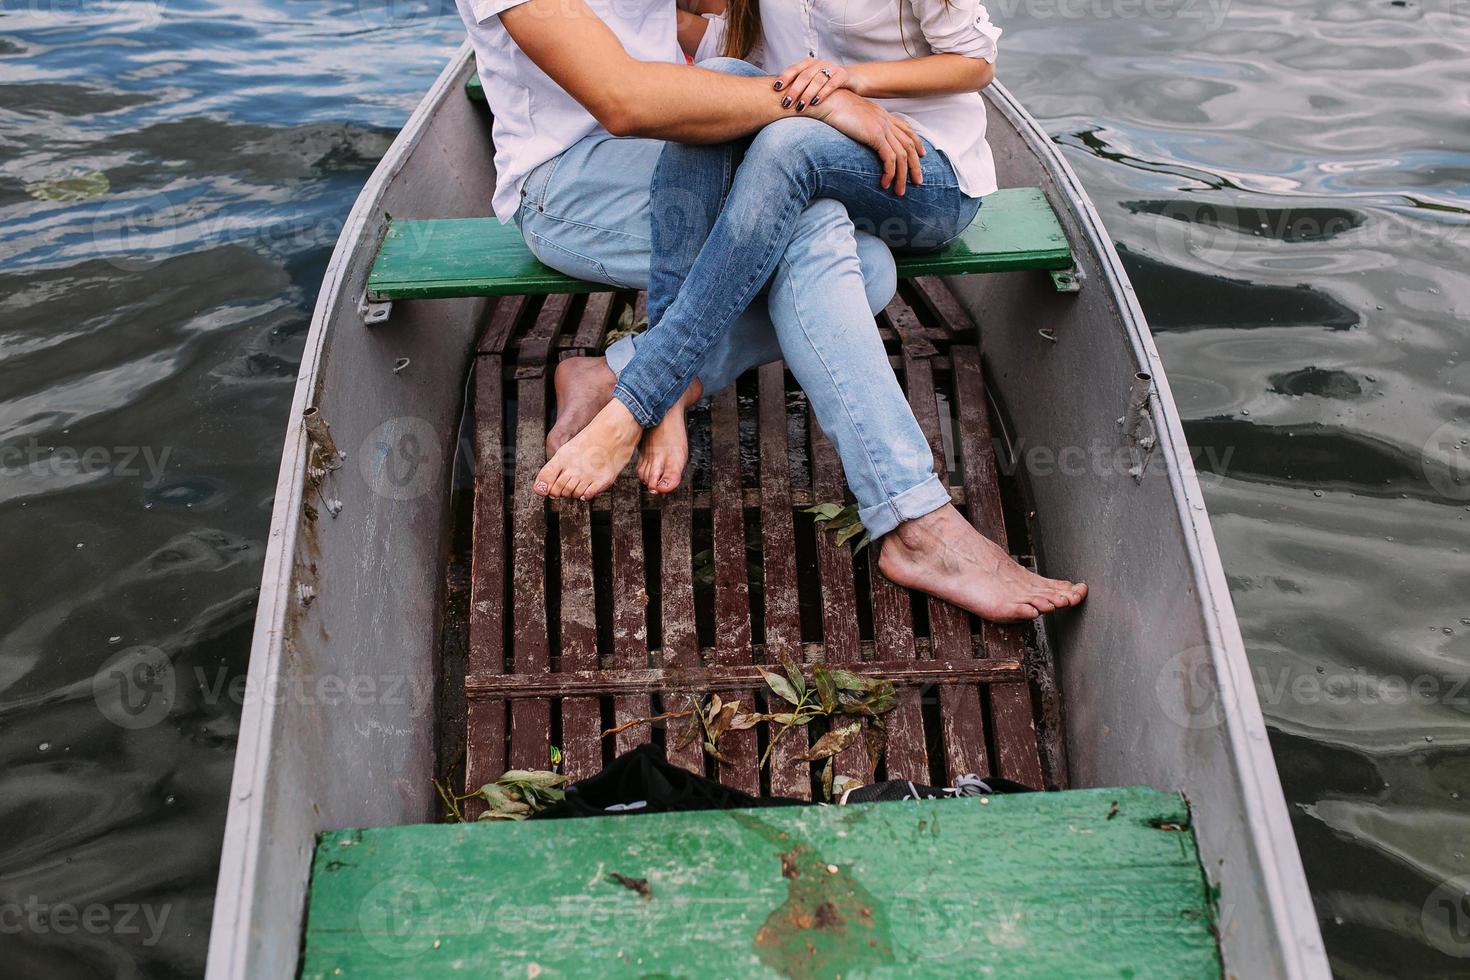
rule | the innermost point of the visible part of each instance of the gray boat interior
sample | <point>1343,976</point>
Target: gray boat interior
<point>1155,677</point>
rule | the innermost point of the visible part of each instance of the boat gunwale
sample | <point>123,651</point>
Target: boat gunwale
<point>1279,859</point>
<point>230,949</point>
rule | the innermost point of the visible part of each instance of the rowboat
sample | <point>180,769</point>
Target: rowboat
<point>355,690</point>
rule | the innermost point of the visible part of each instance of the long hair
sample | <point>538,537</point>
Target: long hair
<point>742,27</point>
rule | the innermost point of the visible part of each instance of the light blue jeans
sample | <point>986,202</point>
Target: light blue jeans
<point>587,213</point>
<point>723,214</point>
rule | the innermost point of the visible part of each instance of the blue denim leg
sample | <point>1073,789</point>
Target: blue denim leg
<point>587,214</point>
<point>787,165</point>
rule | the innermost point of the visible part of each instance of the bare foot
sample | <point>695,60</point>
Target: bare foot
<point>665,448</point>
<point>943,555</point>
<point>583,386</point>
<point>591,460</point>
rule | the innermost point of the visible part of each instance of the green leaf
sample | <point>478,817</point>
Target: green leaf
<point>535,778</point>
<point>827,772</point>
<point>793,672</point>
<point>825,512</point>
<point>781,686</point>
<point>826,688</point>
<point>846,680</point>
<point>851,531</point>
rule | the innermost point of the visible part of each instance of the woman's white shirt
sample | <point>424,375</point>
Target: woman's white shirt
<point>853,31</point>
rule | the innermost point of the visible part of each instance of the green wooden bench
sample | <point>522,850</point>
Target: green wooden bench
<point>455,257</point>
<point>1096,882</point>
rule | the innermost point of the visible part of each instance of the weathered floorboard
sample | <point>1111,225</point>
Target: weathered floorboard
<point>790,776</point>
<point>630,605</point>
<point>732,586</point>
<point>680,637</point>
<point>1010,705</point>
<point>530,722</point>
<point>840,634</point>
<point>961,723</point>
<point>485,720</point>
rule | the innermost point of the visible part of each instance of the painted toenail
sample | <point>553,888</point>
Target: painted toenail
<point>541,487</point>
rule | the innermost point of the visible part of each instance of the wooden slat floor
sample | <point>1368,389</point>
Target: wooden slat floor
<point>585,616</point>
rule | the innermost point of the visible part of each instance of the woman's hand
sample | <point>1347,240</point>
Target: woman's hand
<point>889,136</point>
<point>811,80</point>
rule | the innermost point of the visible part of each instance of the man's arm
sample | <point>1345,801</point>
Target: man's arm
<point>636,98</point>
<point>678,102</point>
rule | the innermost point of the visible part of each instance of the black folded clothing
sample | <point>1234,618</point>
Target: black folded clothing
<point>643,781</point>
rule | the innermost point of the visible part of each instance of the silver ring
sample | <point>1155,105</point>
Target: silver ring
<point>827,72</point>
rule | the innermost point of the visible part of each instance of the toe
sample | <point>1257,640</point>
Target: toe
<point>1042,601</point>
<point>546,478</point>
<point>1024,610</point>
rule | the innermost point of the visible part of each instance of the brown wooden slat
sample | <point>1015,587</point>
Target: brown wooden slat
<point>530,722</point>
<point>501,323</point>
<point>486,721</point>
<point>906,755</point>
<point>840,633</point>
<point>938,305</point>
<point>903,673</point>
<point>962,723</point>
<point>1012,717</point>
<point>789,775</point>
<point>581,718</point>
<point>630,605</point>
<point>593,325</point>
<point>680,638</point>
<point>732,588</point>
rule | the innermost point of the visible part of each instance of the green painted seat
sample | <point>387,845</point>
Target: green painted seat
<point>452,257</point>
<point>1096,882</point>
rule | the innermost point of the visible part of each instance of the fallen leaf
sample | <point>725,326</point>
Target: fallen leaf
<point>832,743</point>
<point>781,686</point>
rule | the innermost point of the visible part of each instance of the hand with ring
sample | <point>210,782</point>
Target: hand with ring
<point>809,81</point>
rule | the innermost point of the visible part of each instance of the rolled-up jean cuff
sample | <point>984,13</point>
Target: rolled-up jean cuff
<point>619,354</point>
<point>632,404</point>
<point>913,503</point>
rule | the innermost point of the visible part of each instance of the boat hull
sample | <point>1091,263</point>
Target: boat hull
<point>338,725</point>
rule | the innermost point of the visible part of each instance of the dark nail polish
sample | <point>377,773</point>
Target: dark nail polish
<point>777,86</point>
<point>786,102</point>
<point>816,100</point>
<point>800,106</point>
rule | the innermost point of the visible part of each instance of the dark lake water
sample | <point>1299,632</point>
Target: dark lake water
<point>1287,183</point>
